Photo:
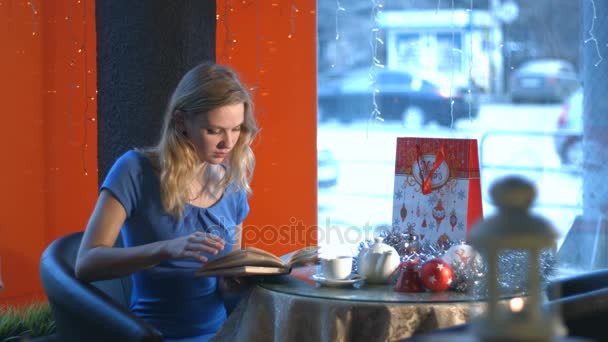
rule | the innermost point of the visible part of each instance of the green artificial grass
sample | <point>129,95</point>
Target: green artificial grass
<point>26,321</point>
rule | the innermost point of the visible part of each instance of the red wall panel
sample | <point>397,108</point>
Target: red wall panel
<point>48,140</point>
<point>272,44</point>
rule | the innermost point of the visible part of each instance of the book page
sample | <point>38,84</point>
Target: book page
<point>305,257</point>
<point>249,256</point>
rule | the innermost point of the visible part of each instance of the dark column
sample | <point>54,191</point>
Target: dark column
<point>143,49</point>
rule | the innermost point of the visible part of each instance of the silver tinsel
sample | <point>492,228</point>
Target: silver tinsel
<point>468,277</point>
<point>471,277</point>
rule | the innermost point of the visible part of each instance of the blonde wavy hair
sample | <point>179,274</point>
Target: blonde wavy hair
<point>201,90</point>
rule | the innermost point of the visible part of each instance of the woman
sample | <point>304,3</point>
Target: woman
<point>178,204</point>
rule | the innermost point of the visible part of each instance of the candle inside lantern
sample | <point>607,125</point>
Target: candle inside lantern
<point>516,304</point>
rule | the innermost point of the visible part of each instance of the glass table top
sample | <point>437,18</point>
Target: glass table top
<point>298,283</point>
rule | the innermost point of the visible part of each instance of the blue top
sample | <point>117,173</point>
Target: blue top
<point>168,295</point>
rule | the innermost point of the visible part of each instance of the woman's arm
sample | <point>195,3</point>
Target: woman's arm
<point>97,258</point>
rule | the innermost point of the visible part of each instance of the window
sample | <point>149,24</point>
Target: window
<point>527,121</point>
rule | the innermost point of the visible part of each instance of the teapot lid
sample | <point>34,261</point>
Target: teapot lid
<point>378,246</point>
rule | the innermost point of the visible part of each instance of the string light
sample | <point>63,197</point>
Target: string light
<point>470,81</point>
<point>34,17</point>
<point>339,9</point>
<point>86,119</point>
<point>592,36</point>
<point>453,51</point>
<point>375,42</point>
<point>71,64</point>
<point>79,49</point>
<point>228,40</point>
<point>292,19</point>
<point>258,55</point>
<point>82,52</point>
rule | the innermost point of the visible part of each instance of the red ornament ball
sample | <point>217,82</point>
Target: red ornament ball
<point>436,275</point>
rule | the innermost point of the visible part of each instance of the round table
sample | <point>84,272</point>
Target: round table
<point>294,308</point>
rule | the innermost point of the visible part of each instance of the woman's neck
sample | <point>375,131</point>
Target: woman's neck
<point>206,183</point>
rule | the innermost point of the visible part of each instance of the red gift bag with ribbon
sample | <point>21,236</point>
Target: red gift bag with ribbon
<point>437,191</point>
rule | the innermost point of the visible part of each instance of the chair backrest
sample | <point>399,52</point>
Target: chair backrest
<point>64,251</point>
<point>84,311</point>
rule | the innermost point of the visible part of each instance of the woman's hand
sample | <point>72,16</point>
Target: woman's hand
<point>191,246</point>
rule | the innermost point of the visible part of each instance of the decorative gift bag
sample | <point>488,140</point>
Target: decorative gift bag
<point>437,191</point>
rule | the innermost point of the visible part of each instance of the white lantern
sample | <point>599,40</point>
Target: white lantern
<point>513,227</point>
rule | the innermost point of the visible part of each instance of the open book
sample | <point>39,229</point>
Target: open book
<point>254,261</point>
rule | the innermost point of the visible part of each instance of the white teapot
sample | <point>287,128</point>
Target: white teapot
<point>378,262</point>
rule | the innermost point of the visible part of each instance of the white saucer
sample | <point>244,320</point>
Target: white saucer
<point>352,279</point>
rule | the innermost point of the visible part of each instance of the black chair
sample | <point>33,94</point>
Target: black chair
<point>88,311</point>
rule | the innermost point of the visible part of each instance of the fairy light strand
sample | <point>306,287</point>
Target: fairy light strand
<point>34,17</point>
<point>85,116</point>
<point>470,80</point>
<point>375,42</point>
<point>339,9</point>
<point>592,36</point>
<point>292,19</point>
<point>70,19</point>
<point>453,52</point>
<point>228,41</point>
<point>258,50</point>
<point>258,57</point>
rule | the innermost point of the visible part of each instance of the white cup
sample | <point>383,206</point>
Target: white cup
<point>336,268</point>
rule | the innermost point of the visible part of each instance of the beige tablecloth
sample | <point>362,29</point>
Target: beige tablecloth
<point>267,314</point>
